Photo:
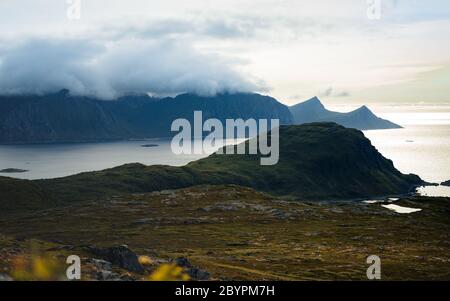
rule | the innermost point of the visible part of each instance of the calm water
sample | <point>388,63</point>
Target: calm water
<point>58,160</point>
<point>422,147</point>
<point>401,209</point>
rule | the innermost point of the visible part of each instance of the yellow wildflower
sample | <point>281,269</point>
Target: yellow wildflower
<point>169,272</point>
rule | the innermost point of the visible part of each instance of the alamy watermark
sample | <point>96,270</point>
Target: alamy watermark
<point>73,9</point>
<point>374,270</point>
<point>73,272</point>
<point>374,9</point>
<point>212,132</point>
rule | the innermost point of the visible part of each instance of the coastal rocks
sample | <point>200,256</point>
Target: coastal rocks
<point>121,256</point>
<point>446,183</point>
<point>194,272</point>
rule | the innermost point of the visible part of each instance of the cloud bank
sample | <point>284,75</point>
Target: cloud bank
<point>108,70</point>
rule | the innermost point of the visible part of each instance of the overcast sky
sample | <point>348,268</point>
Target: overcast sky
<point>290,49</point>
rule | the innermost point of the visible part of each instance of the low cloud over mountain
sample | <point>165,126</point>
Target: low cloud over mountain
<point>108,70</point>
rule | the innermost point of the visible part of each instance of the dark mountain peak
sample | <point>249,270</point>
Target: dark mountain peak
<point>364,109</point>
<point>315,100</point>
<point>308,111</point>
<point>362,118</point>
<point>311,103</point>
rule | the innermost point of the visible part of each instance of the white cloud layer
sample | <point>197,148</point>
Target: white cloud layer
<point>110,70</point>
<point>298,47</point>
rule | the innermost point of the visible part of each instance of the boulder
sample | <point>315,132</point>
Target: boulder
<point>121,256</point>
<point>194,272</point>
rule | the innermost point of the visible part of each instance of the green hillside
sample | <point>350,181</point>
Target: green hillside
<point>317,161</point>
<point>322,161</point>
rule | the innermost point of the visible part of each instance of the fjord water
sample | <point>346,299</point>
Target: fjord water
<point>45,161</point>
<point>421,147</point>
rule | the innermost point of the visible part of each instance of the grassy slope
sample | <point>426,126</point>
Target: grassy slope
<point>317,161</point>
<point>241,234</point>
<point>17,195</point>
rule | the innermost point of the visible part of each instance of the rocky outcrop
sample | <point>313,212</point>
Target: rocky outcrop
<point>194,272</point>
<point>121,256</point>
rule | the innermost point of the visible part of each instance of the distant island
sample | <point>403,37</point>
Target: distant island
<point>12,170</point>
<point>446,183</point>
<point>363,118</point>
<point>149,145</point>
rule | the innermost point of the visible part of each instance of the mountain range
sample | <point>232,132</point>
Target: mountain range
<point>60,117</point>
<point>313,110</point>
<point>63,118</point>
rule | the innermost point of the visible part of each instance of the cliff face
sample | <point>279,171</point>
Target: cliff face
<point>153,118</point>
<point>61,118</point>
<point>56,119</point>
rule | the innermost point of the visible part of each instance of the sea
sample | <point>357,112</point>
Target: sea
<point>421,147</point>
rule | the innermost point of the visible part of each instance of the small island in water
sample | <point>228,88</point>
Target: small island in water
<point>446,183</point>
<point>12,170</point>
<point>150,145</point>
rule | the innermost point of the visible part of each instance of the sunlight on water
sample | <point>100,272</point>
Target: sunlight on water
<point>373,201</point>
<point>422,147</point>
<point>400,209</point>
<point>434,191</point>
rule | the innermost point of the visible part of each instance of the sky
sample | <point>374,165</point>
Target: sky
<point>345,52</point>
